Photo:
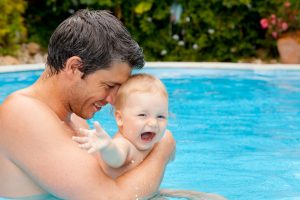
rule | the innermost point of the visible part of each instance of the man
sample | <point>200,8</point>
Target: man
<point>90,55</point>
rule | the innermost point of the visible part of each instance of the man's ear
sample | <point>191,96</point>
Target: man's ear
<point>73,65</point>
<point>118,116</point>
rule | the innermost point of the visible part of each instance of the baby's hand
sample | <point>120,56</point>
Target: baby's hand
<point>93,140</point>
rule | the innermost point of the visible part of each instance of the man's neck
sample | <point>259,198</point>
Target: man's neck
<point>49,89</point>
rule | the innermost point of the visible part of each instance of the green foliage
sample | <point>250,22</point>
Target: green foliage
<point>42,17</point>
<point>12,29</point>
<point>215,30</point>
<point>142,7</point>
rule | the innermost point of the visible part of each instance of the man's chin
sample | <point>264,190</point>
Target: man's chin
<point>89,116</point>
<point>86,116</point>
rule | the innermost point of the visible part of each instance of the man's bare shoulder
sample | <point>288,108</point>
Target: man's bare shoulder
<point>21,101</point>
<point>21,111</point>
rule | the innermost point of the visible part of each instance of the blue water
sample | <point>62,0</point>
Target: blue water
<point>237,132</point>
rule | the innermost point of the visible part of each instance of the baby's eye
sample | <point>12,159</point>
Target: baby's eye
<point>161,117</point>
<point>142,115</point>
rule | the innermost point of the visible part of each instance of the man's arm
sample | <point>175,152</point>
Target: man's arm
<point>33,137</point>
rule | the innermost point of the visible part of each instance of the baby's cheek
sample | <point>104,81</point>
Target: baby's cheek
<point>163,126</point>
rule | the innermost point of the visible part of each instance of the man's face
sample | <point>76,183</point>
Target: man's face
<point>88,95</point>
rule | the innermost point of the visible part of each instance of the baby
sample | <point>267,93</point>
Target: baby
<point>141,113</point>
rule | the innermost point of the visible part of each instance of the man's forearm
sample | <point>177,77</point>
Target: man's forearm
<point>144,180</point>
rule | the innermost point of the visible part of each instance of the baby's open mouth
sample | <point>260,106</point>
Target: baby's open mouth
<point>148,136</point>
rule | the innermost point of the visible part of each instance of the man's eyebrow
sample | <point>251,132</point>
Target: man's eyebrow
<point>113,83</point>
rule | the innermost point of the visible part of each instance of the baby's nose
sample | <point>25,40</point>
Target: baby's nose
<point>152,122</point>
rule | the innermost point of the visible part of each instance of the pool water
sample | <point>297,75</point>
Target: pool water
<point>237,131</point>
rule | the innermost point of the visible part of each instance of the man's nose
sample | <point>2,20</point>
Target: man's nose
<point>111,97</point>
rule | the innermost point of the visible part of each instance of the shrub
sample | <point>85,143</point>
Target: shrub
<point>12,29</point>
<point>216,30</point>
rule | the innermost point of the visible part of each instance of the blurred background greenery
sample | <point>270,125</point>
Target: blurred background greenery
<point>169,30</point>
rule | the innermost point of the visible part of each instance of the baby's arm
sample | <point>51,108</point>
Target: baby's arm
<point>114,152</point>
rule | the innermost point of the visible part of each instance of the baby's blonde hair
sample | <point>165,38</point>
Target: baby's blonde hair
<point>139,83</point>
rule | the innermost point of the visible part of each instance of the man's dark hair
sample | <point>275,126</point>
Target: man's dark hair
<point>97,37</point>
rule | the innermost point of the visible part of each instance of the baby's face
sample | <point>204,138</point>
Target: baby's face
<point>144,118</point>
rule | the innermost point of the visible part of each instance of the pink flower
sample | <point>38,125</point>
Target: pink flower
<point>274,34</point>
<point>283,19</point>
<point>273,16</point>
<point>264,23</point>
<point>284,26</point>
<point>273,19</point>
<point>287,4</point>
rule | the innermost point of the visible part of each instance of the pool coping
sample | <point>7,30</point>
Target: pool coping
<point>204,65</point>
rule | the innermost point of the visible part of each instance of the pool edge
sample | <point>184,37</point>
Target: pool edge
<point>20,68</point>
<point>204,65</point>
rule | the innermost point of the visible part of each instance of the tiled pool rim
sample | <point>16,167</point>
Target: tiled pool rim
<point>204,65</point>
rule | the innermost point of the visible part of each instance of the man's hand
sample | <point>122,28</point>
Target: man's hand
<point>93,140</point>
<point>167,146</point>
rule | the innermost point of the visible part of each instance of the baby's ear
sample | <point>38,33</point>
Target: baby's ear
<point>118,116</point>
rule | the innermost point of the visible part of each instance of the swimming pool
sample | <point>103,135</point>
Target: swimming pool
<point>237,131</point>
